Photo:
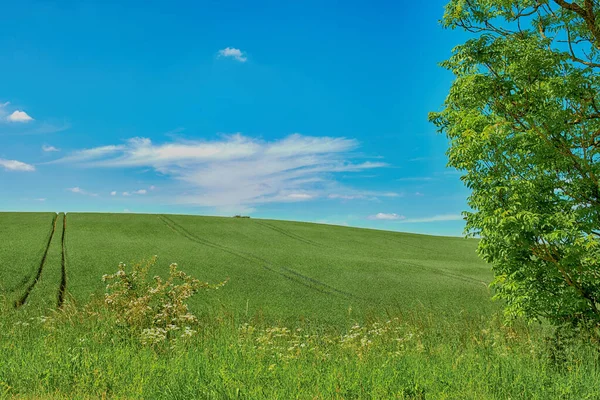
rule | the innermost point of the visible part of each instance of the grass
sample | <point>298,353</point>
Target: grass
<point>23,240</point>
<point>309,311</point>
<point>44,294</point>
<point>417,355</point>
<point>323,271</point>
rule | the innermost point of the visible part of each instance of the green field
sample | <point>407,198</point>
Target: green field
<point>279,270</point>
<point>310,311</point>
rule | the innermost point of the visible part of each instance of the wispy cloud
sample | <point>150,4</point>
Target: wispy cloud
<point>452,171</point>
<point>347,196</point>
<point>48,148</point>
<point>236,170</point>
<point>386,217</point>
<point>416,179</point>
<point>130,193</point>
<point>362,195</point>
<point>14,165</point>
<point>234,53</point>
<point>89,154</point>
<point>79,190</point>
<point>435,218</point>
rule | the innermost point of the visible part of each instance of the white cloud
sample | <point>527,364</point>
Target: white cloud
<point>419,194</point>
<point>330,222</point>
<point>113,193</point>
<point>141,191</point>
<point>452,171</point>
<point>346,196</point>
<point>48,148</point>
<point>126,194</point>
<point>79,190</point>
<point>233,53</point>
<point>416,179</point>
<point>236,172</point>
<point>152,187</point>
<point>435,218</point>
<point>300,196</point>
<point>87,155</point>
<point>19,116</point>
<point>14,165</point>
<point>41,200</point>
<point>362,195</point>
<point>386,217</point>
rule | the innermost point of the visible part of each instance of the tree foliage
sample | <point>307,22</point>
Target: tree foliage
<point>523,120</point>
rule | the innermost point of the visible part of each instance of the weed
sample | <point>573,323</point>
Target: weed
<point>157,309</point>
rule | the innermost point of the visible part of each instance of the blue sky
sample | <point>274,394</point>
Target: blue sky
<point>312,111</point>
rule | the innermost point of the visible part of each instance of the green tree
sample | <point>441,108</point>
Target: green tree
<point>523,121</point>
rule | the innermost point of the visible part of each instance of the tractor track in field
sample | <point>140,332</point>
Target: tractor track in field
<point>288,233</point>
<point>62,289</point>
<point>403,243</point>
<point>463,278</point>
<point>294,276</point>
<point>23,298</point>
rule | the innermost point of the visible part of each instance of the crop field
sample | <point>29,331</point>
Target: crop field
<point>278,270</point>
<point>308,311</point>
<point>25,238</point>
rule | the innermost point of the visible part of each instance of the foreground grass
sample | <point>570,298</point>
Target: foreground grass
<point>83,353</point>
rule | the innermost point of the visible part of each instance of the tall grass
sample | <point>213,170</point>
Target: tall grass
<point>94,352</point>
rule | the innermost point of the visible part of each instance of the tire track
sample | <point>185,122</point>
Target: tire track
<point>288,233</point>
<point>317,282</point>
<point>445,273</point>
<point>62,289</point>
<point>26,278</point>
<point>291,275</point>
<point>29,288</point>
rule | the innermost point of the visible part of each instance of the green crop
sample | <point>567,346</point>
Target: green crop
<point>284,271</point>
<point>24,238</point>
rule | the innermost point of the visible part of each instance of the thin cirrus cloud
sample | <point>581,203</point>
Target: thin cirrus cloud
<point>362,195</point>
<point>14,165</point>
<point>231,52</point>
<point>49,149</point>
<point>139,192</point>
<point>435,218</point>
<point>81,191</point>
<point>236,172</point>
<point>404,220</point>
<point>386,217</point>
<point>416,179</point>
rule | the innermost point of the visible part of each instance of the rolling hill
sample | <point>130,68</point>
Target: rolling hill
<point>277,270</point>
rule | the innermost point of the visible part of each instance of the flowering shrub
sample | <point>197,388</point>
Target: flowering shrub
<point>156,308</point>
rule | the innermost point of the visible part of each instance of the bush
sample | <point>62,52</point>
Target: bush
<point>155,309</point>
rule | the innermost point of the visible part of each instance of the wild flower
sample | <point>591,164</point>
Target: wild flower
<point>155,308</point>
